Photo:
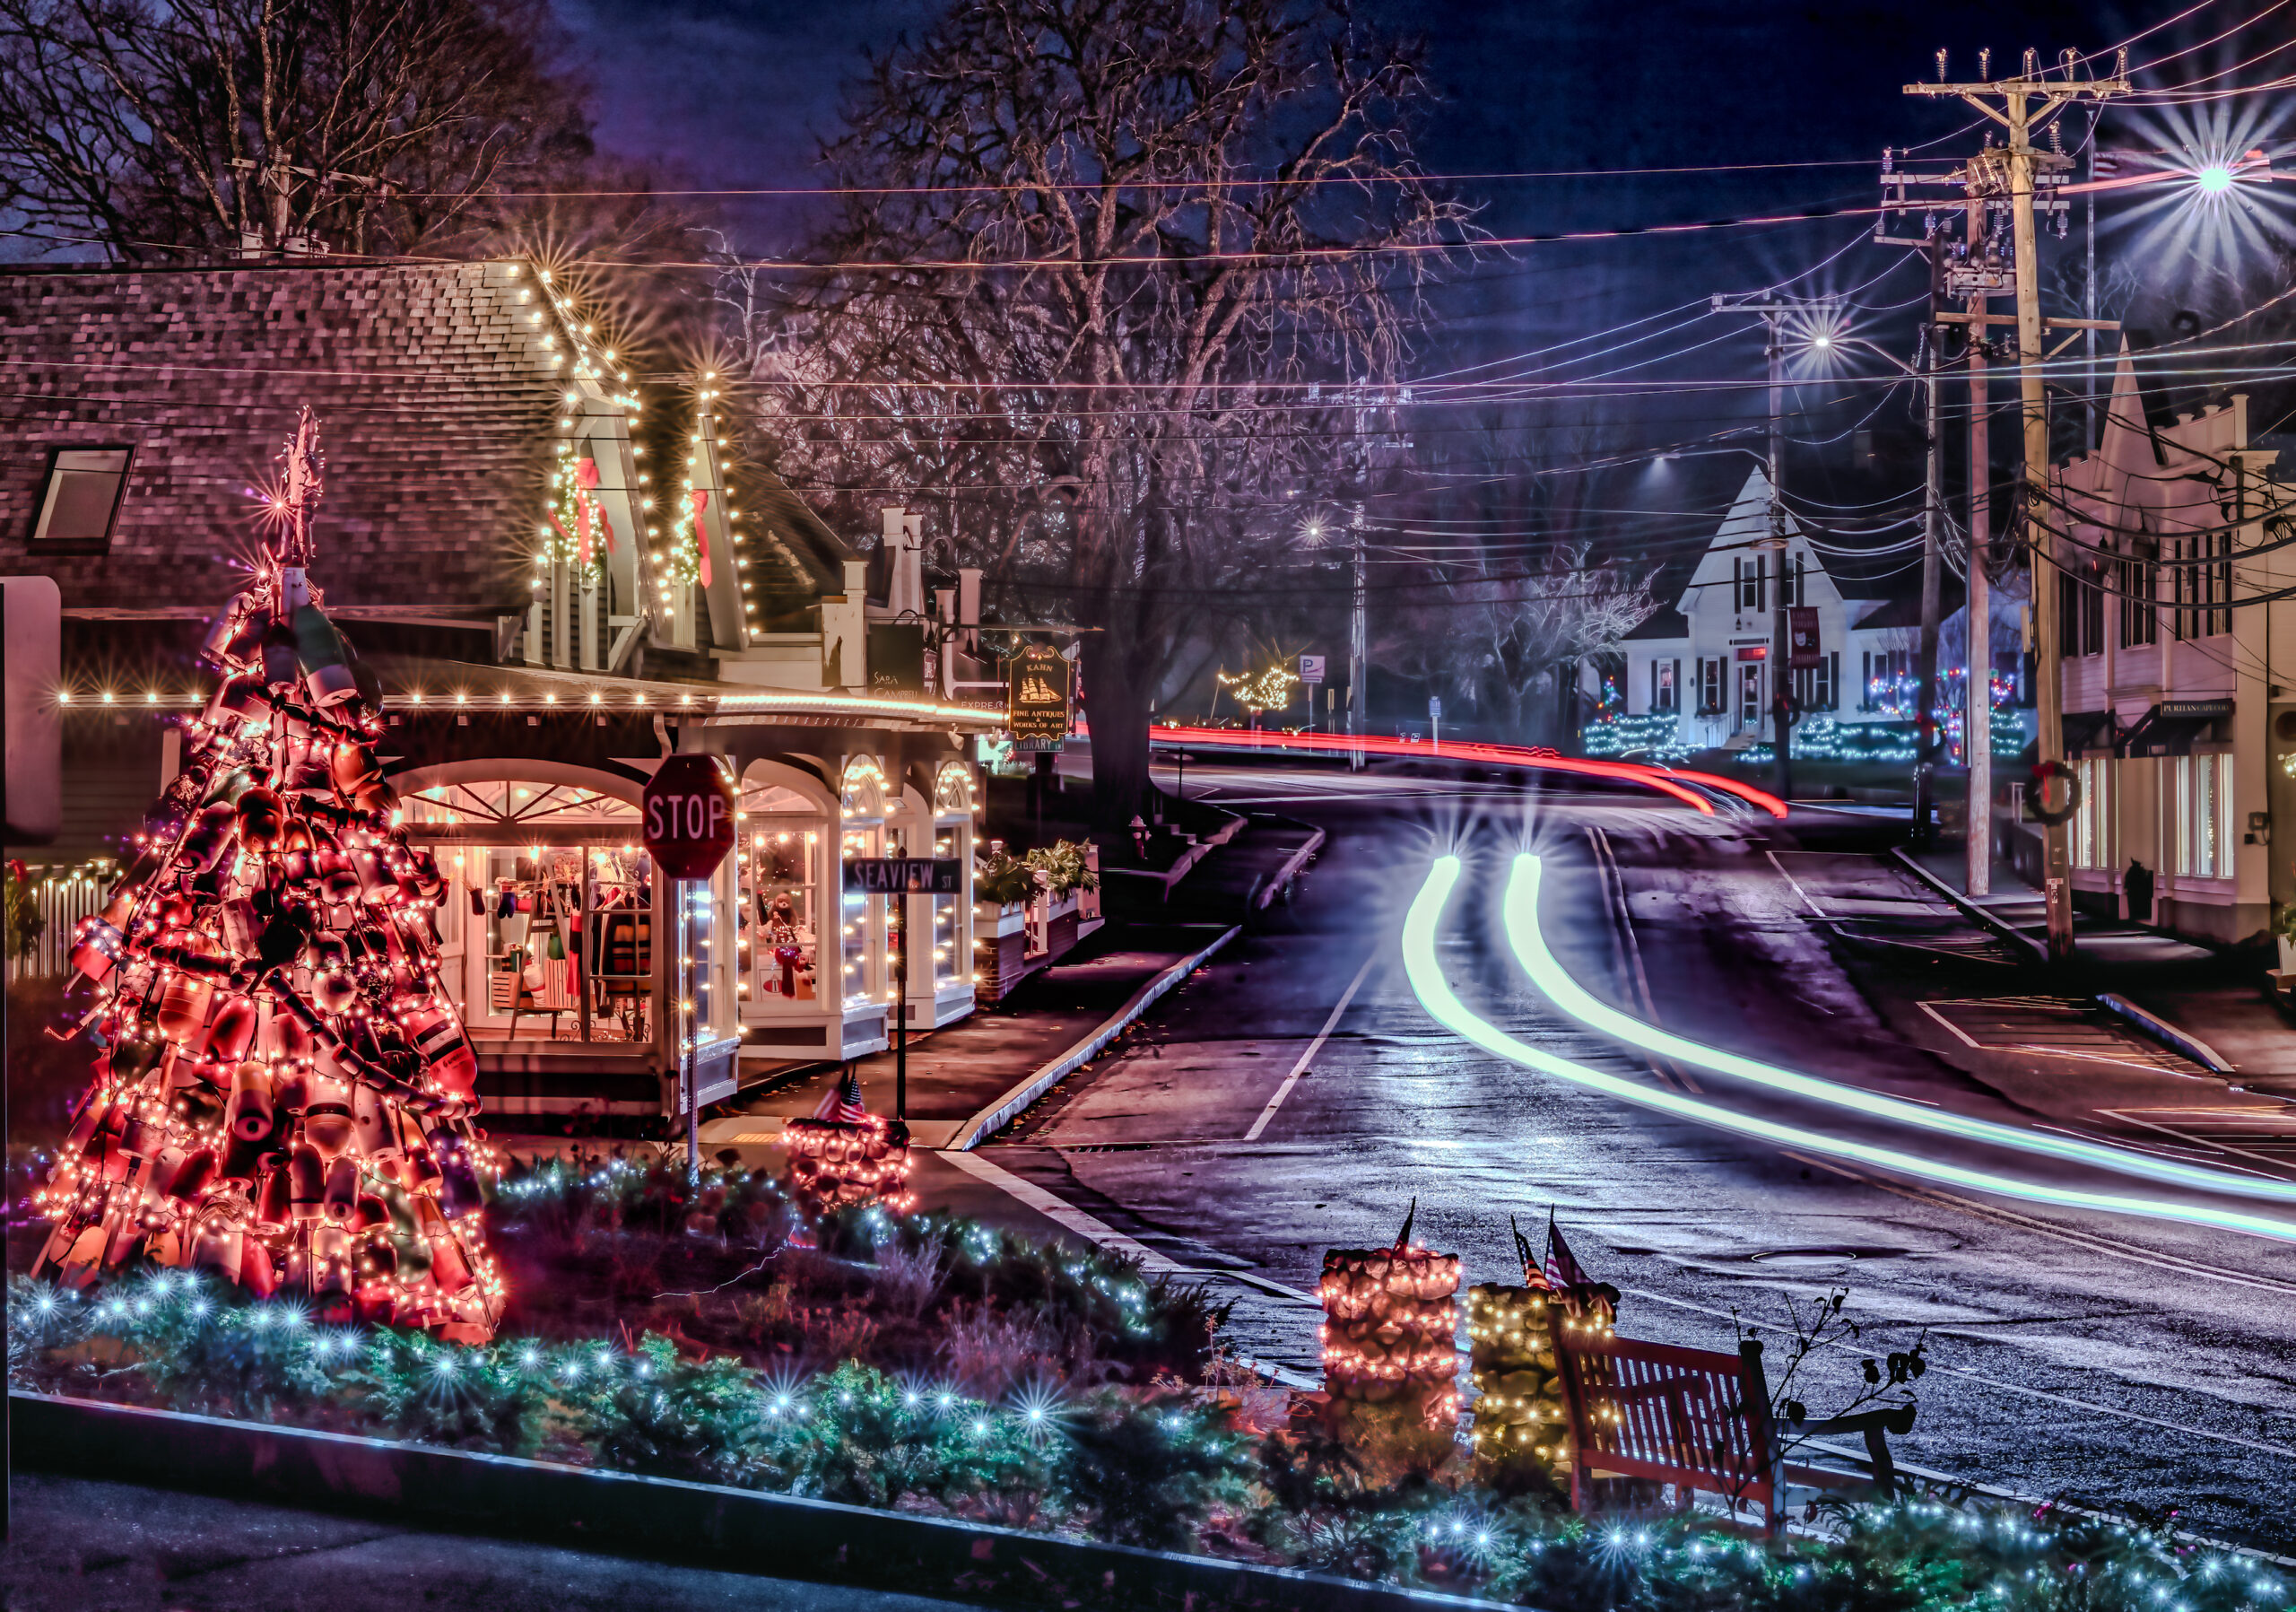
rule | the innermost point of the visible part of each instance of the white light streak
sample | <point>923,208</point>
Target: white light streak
<point>1442,1004</point>
<point>1521,911</point>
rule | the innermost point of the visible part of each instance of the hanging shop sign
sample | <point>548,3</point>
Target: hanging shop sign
<point>897,657</point>
<point>899,875</point>
<point>1802,647</point>
<point>687,814</point>
<point>1038,683</point>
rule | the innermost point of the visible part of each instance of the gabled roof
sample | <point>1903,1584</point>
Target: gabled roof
<point>436,397</point>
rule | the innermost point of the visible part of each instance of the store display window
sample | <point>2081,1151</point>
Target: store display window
<point>780,864</point>
<point>547,933</point>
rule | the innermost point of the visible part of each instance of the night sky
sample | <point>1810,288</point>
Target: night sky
<point>727,95</point>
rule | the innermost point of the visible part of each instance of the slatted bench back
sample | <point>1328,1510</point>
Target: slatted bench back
<point>1691,1417</point>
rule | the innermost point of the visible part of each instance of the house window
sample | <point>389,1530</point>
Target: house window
<point>81,501</point>
<point>2090,847</point>
<point>1712,698</point>
<point>1817,687</point>
<point>2140,624</point>
<point>2203,804</point>
<point>1664,675</point>
<point>1751,575</point>
<point>2203,582</point>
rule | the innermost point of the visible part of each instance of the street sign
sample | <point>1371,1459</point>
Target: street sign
<point>1802,649</point>
<point>1311,669</point>
<point>910,876</point>
<point>687,816</point>
<point>1038,682</point>
<point>1434,708</point>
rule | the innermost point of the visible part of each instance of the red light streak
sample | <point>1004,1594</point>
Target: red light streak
<point>1661,779</point>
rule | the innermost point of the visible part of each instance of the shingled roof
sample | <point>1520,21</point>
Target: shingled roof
<point>437,399</point>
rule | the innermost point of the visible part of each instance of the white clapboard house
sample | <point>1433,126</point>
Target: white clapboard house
<point>1708,659</point>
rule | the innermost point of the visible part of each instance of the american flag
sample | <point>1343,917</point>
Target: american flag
<point>1563,1266</point>
<point>843,1101</point>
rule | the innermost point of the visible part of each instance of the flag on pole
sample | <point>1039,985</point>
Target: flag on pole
<point>842,1103</point>
<point>1563,1266</point>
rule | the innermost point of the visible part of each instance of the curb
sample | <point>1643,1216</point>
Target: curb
<point>1005,1109</point>
<point>1170,877</point>
<point>2166,1033</point>
<point>660,1518</point>
<point>2039,952</point>
<point>1285,874</point>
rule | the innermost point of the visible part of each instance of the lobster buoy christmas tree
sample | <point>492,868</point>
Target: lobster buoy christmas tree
<point>284,1089</point>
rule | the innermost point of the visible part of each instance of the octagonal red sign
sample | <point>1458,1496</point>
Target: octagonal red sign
<point>687,816</point>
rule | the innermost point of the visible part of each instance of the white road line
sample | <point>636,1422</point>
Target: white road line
<point>1314,1047</point>
<point>1093,1229</point>
<point>1790,879</point>
<point>1090,1227</point>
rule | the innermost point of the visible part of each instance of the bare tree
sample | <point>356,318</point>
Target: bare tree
<point>1136,278</point>
<point>136,126</point>
<point>1501,641</point>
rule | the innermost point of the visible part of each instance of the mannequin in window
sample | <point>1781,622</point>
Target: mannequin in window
<point>781,934</point>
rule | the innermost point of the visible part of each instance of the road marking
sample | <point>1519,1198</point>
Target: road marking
<point>1314,1047</point>
<point>1790,879</point>
<point>1090,1227</point>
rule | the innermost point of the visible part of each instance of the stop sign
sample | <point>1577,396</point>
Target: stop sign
<point>689,817</point>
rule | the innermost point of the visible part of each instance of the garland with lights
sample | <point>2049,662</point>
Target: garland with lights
<point>283,1091</point>
<point>1162,1465</point>
<point>1257,692</point>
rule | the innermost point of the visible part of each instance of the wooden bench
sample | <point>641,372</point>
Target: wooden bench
<point>1700,1420</point>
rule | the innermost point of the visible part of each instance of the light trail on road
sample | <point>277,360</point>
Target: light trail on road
<point>1520,912</point>
<point>1442,1004</point>
<point>1665,779</point>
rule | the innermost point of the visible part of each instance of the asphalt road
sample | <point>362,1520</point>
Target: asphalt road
<point>1296,1095</point>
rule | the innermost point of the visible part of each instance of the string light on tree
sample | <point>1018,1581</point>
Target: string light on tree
<point>282,1093</point>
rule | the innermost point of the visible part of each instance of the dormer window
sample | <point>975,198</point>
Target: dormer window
<point>79,504</point>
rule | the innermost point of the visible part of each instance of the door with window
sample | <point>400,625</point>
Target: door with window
<point>1750,694</point>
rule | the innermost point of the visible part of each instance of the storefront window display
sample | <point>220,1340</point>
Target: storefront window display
<point>547,931</point>
<point>780,892</point>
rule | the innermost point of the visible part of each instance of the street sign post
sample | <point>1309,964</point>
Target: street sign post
<point>900,878</point>
<point>1435,716</point>
<point>687,817</point>
<point>1311,669</point>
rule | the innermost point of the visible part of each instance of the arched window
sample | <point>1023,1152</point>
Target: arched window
<point>783,907</point>
<point>862,833</point>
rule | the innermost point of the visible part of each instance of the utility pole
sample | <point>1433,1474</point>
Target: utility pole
<point>1932,537</point>
<point>1774,311</point>
<point>1977,672</point>
<point>2029,101</point>
<point>1359,663</point>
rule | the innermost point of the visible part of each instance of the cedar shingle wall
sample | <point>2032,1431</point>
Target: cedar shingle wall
<point>436,399</point>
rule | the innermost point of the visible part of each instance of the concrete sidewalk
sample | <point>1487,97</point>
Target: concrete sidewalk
<point>955,1072</point>
<point>2214,997</point>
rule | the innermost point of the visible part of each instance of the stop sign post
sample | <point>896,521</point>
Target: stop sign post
<point>687,816</point>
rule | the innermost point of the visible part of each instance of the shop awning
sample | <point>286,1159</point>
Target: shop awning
<point>2088,730</point>
<point>2173,727</point>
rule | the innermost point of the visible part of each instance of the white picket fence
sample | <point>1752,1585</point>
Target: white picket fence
<point>62,898</point>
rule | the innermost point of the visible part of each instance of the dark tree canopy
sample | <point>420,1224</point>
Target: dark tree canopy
<point>138,125</point>
<point>1208,233</point>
